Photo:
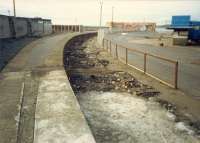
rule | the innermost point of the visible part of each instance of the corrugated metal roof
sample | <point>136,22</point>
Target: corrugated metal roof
<point>180,27</point>
<point>181,20</point>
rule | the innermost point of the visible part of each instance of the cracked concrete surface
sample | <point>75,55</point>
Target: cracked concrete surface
<point>39,65</point>
<point>58,117</point>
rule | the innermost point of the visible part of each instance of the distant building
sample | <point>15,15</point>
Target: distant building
<point>132,26</point>
<point>185,29</point>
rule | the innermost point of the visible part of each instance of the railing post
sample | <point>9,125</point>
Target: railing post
<point>116,50</point>
<point>126,56</point>
<point>110,48</point>
<point>103,43</point>
<point>176,76</point>
<point>145,62</point>
<point>107,45</point>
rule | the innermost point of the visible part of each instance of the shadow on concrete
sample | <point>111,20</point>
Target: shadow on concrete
<point>10,47</point>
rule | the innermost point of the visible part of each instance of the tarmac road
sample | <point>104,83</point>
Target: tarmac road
<point>189,74</point>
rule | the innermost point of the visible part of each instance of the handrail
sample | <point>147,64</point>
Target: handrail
<point>175,85</point>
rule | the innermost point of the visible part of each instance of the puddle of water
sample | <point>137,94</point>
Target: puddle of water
<point>124,118</point>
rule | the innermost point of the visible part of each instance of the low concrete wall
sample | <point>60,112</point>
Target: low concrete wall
<point>21,27</point>
<point>5,31</point>
<point>47,28</point>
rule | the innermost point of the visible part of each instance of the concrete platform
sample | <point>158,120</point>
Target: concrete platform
<point>37,104</point>
<point>58,115</point>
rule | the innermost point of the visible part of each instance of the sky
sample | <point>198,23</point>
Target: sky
<point>86,12</point>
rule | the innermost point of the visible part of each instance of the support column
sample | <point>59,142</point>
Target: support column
<point>79,28</point>
<point>70,28</point>
<point>67,28</point>
<point>61,27</point>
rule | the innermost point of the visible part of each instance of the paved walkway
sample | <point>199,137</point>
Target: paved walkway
<point>37,103</point>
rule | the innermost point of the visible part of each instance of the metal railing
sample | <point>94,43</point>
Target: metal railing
<point>145,55</point>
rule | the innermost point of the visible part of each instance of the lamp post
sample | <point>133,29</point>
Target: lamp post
<point>112,21</point>
<point>113,14</point>
<point>8,12</point>
<point>100,18</point>
<point>14,10</point>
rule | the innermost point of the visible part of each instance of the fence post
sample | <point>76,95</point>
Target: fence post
<point>68,30</point>
<point>107,45</point>
<point>145,62</point>
<point>126,56</point>
<point>103,43</point>
<point>176,76</point>
<point>110,48</point>
<point>116,50</point>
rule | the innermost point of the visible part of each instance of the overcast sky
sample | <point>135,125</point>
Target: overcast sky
<point>86,12</point>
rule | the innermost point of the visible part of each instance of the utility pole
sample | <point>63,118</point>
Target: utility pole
<point>112,21</point>
<point>113,14</point>
<point>8,12</point>
<point>14,10</point>
<point>101,8</point>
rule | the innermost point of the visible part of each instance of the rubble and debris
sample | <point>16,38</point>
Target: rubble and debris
<point>85,57</point>
<point>170,107</point>
<point>119,81</point>
<point>89,72</point>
